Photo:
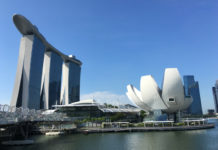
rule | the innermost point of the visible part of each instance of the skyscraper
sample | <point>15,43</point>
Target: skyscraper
<point>38,77</point>
<point>51,80</point>
<point>192,89</point>
<point>215,95</point>
<point>70,90</point>
<point>26,92</point>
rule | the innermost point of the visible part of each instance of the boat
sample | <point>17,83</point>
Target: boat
<point>54,133</point>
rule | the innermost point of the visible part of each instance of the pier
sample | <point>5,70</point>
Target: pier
<point>145,129</point>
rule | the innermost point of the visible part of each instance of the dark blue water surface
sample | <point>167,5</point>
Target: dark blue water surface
<point>176,140</point>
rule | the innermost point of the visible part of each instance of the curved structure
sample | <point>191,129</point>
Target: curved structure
<point>27,28</point>
<point>170,99</point>
<point>41,67</point>
<point>188,101</point>
<point>135,96</point>
<point>151,93</point>
<point>173,91</point>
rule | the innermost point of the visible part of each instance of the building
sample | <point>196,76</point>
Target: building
<point>70,90</point>
<point>82,109</point>
<point>39,70</point>
<point>215,95</point>
<point>91,109</point>
<point>211,112</point>
<point>192,89</point>
<point>26,92</point>
<point>170,99</point>
<point>51,80</point>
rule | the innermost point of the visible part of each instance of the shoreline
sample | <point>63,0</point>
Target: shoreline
<point>144,129</point>
<point>87,131</point>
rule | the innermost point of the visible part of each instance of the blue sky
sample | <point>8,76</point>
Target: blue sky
<point>118,41</point>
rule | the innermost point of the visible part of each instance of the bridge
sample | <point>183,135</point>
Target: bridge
<point>21,121</point>
<point>13,115</point>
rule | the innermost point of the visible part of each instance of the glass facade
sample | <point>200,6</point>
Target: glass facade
<point>74,82</point>
<point>35,73</point>
<point>215,96</point>
<point>19,98</point>
<point>55,79</point>
<point>51,80</point>
<point>83,112</point>
<point>39,72</point>
<point>27,86</point>
<point>192,89</point>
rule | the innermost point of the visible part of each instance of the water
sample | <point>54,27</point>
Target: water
<point>179,140</point>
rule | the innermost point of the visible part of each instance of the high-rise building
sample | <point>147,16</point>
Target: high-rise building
<point>70,90</point>
<point>51,80</point>
<point>192,89</point>
<point>26,92</point>
<point>215,95</point>
<point>38,77</point>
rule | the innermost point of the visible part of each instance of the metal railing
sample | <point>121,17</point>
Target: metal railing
<point>10,114</point>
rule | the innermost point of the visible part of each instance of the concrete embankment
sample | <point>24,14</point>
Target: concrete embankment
<point>144,129</point>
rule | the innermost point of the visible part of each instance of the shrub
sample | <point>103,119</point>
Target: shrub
<point>140,125</point>
<point>179,124</point>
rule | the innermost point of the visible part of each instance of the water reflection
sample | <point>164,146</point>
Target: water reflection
<point>180,140</point>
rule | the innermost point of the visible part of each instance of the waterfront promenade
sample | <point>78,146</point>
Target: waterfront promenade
<point>144,129</point>
<point>160,140</point>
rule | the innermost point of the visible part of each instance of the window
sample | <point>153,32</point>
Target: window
<point>171,99</point>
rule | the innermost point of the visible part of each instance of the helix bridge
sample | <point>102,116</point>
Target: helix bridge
<point>23,122</point>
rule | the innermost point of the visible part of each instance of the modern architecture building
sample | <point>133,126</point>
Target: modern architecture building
<point>38,77</point>
<point>211,112</point>
<point>70,90</point>
<point>90,108</point>
<point>215,95</point>
<point>192,89</point>
<point>170,99</point>
<point>26,92</point>
<point>51,80</point>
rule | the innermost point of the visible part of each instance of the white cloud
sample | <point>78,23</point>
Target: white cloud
<point>107,97</point>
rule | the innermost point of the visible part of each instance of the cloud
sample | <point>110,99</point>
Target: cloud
<point>107,97</point>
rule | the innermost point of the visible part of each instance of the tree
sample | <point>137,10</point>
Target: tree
<point>142,114</point>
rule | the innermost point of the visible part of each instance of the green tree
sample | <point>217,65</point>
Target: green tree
<point>142,114</point>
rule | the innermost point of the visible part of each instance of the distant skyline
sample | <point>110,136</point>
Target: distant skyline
<point>118,41</point>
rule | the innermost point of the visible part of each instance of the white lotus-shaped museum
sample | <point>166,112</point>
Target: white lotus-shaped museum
<point>170,99</point>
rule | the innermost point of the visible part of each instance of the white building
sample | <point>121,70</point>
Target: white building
<point>170,99</point>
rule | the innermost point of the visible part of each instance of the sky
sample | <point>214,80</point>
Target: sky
<point>118,41</point>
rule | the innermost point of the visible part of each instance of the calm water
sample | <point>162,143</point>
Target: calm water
<point>180,140</point>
